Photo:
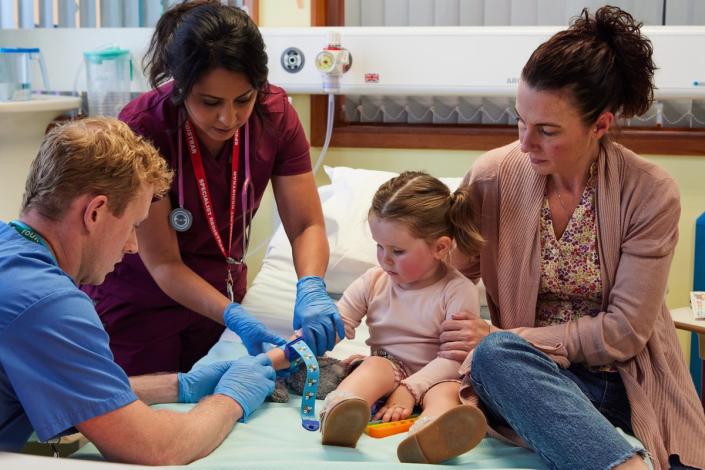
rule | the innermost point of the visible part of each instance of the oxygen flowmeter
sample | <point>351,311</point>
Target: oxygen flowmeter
<point>333,61</point>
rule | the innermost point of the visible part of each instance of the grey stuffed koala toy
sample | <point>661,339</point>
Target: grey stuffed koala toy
<point>332,373</point>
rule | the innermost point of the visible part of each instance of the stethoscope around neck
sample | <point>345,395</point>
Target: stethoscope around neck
<point>181,218</point>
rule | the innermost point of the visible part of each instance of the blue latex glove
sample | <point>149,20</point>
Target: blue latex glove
<point>316,314</point>
<point>248,381</point>
<point>251,331</point>
<point>200,382</point>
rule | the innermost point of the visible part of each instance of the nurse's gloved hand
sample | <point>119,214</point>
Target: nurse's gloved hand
<point>248,381</point>
<point>250,330</point>
<point>316,314</point>
<point>200,382</point>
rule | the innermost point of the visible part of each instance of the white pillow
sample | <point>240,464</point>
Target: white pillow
<point>353,250</point>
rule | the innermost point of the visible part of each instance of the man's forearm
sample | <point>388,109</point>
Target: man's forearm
<point>203,429</point>
<point>138,434</point>
<point>156,388</point>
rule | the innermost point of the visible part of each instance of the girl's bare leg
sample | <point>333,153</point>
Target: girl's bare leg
<point>440,398</point>
<point>445,429</point>
<point>371,380</point>
<point>346,411</point>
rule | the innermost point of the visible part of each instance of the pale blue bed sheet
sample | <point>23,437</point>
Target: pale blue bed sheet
<point>274,439</point>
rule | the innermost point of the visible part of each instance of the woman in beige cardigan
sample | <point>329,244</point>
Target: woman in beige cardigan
<point>579,234</point>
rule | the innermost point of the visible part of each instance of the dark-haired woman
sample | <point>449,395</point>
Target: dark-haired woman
<point>580,233</point>
<point>227,133</point>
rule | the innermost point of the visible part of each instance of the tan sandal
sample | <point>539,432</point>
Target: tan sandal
<point>344,421</point>
<point>451,434</point>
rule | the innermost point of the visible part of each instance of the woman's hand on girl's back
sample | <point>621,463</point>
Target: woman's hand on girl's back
<point>461,334</point>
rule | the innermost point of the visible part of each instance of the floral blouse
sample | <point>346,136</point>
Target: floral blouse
<point>571,285</point>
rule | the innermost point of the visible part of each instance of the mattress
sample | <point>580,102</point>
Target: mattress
<point>274,439</point>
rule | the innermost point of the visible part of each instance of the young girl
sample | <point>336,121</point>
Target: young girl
<point>415,221</point>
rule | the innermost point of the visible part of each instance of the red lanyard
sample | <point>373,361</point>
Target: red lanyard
<point>205,194</point>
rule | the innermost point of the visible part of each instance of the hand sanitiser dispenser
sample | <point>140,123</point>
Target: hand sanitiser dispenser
<point>16,72</point>
<point>109,73</point>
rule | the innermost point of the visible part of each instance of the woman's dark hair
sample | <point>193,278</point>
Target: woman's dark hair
<point>195,37</point>
<point>603,60</point>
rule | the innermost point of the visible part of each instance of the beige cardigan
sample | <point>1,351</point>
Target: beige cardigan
<point>638,209</point>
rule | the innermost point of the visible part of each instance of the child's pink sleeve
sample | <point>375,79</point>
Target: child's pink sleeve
<point>462,295</point>
<point>353,304</point>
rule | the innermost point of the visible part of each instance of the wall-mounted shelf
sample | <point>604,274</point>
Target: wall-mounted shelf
<point>41,103</point>
<point>22,127</point>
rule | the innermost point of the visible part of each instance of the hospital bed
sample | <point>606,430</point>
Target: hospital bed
<point>273,437</point>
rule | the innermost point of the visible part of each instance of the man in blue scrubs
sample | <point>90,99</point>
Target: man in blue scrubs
<point>89,187</point>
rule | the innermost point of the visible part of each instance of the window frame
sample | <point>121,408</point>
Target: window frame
<point>663,141</point>
<point>253,7</point>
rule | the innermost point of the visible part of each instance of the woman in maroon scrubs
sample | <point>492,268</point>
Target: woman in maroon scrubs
<point>212,114</point>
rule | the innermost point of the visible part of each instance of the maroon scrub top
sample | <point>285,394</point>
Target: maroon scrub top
<point>149,332</point>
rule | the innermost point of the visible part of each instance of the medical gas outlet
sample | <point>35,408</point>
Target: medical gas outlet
<point>293,60</point>
<point>333,61</point>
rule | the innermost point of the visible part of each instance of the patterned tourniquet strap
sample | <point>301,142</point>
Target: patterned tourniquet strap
<point>308,398</point>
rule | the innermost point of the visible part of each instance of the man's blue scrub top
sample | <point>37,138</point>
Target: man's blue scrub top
<point>56,368</point>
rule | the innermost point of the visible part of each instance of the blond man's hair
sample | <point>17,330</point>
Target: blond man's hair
<point>96,156</point>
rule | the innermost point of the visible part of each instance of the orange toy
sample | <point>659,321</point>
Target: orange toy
<point>378,429</point>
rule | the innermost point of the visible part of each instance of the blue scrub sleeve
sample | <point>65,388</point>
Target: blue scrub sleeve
<point>57,358</point>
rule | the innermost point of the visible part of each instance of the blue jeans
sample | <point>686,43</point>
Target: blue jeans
<point>567,416</point>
